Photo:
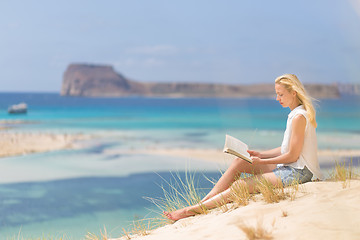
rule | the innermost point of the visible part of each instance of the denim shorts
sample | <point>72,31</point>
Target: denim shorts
<point>290,175</point>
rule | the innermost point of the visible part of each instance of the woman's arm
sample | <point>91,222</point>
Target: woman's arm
<point>266,154</point>
<point>271,153</point>
<point>295,147</point>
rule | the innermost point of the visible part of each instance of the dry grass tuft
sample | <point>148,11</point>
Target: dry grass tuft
<point>141,227</point>
<point>222,205</point>
<point>240,194</point>
<point>274,194</point>
<point>179,194</point>
<point>293,189</point>
<point>258,232</point>
<point>127,235</point>
<point>342,173</point>
<point>270,193</point>
<point>103,236</point>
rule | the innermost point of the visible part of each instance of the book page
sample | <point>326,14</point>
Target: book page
<point>235,145</point>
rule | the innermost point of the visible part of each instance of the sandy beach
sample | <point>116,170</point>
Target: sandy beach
<point>13,144</point>
<point>321,210</point>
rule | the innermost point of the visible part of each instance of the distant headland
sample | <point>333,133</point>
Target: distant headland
<point>90,80</point>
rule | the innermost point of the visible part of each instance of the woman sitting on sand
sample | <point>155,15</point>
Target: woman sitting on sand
<point>295,160</point>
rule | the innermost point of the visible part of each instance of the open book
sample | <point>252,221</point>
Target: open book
<point>236,147</point>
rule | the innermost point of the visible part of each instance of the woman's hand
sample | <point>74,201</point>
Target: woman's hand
<point>253,153</point>
<point>257,160</point>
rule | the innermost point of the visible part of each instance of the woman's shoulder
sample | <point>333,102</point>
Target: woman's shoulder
<point>299,119</point>
<point>300,110</point>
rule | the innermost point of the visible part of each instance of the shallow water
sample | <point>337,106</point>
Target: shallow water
<point>77,206</point>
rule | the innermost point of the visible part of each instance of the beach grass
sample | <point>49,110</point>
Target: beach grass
<point>343,173</point>
<point>103,235</point>
<point>139,227</point>
<point>240,194</point>
<point>274,194</point>
<point>256,232</point>
<point>180,193</point>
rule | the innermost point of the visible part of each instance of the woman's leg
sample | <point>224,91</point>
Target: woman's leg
<point>221,198</point>
<point>237,167</point>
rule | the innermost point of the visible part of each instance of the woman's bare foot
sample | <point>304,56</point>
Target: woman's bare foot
<point>179,214</point>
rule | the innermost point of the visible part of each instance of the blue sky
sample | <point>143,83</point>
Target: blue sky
<point>228,41</point>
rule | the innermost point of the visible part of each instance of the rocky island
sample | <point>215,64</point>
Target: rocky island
<point>90,80</point>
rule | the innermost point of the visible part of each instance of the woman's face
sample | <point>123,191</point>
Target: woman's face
<point>284,97</point>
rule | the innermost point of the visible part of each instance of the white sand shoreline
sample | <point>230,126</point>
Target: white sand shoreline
<point>19,143</point>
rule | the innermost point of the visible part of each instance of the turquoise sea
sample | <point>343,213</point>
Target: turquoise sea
<point>72,192</point>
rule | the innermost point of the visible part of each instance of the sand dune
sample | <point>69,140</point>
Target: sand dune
<point>322,210</point>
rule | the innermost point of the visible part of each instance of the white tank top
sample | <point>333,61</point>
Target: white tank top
<point>308,156</point>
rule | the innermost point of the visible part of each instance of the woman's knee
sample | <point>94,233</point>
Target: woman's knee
<point>241,162</point>
<point>242,165</point>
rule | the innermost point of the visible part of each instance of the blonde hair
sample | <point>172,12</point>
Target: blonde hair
<point>292,83</point>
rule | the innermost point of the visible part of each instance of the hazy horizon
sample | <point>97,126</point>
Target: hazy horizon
<point>238,42</point>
